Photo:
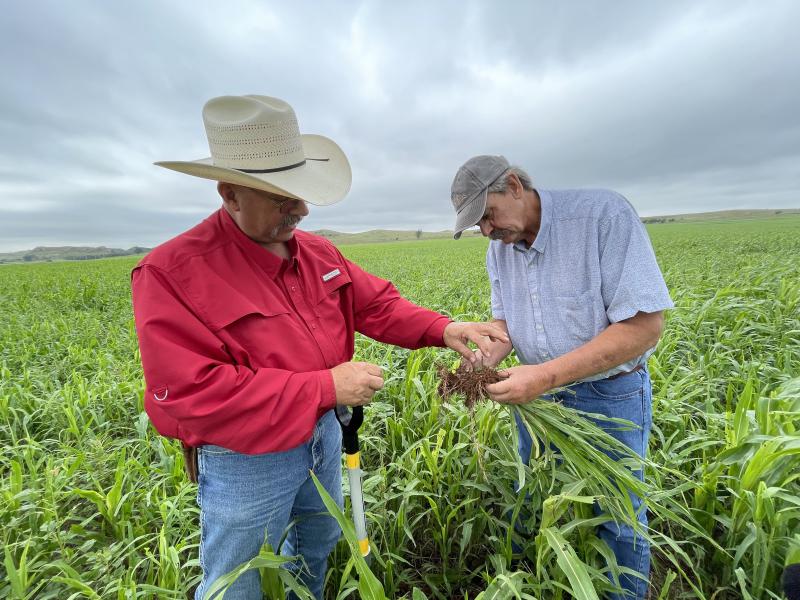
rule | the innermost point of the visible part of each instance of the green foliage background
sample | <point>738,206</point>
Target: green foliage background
<point>94,504</point>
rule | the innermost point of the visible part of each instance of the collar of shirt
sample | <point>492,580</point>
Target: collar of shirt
<point>272,264</point>
<point>545,218</point>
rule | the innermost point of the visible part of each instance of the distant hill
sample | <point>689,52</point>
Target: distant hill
<point>386,235</point>
<point>55,253</point>
<point>51,253</point>
<point>374,236</point>
<point>723,215</point>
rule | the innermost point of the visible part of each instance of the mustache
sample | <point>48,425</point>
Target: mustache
<point>286,222</point>
<point>289,221</point>
<point>497,234</point>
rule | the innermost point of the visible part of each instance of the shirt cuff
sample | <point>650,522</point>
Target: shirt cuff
<point>328,395</point>
<point>434,336</point>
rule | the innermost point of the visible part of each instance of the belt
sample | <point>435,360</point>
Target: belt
<point>636,368</point>
<point>190,462</point>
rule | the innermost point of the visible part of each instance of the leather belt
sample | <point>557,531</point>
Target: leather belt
<point>190,462</point>
<point>636,368</point>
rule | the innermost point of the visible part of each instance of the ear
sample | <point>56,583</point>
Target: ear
<point>514,186</point>
<point>227,192</point>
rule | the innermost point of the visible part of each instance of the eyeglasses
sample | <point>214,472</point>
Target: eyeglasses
<point>279,201</point>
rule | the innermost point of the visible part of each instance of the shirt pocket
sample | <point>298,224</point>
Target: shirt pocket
<point>331,290</point>
<point>576,319</point>
<point>333,307</point>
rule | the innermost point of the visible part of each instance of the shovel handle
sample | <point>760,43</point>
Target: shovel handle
<point>350,420</point>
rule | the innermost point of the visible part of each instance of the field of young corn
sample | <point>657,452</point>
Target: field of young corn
<point>94,504</point>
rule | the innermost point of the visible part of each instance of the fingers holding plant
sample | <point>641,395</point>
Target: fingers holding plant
<point>490,339</point>
<point>520,385</point>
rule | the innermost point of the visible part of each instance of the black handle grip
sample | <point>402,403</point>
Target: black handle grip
<point>350,422</point>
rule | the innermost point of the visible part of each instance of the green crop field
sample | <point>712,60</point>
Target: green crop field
<point>94,504</point>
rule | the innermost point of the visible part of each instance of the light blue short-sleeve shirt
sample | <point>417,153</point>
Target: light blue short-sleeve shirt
<point>590,265</point>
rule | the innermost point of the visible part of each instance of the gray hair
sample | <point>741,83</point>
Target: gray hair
<point>500,185</point>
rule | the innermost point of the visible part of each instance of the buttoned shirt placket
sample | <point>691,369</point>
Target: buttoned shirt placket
<point>293,286</point>
<point>532,257</point>
<point>297,296</point>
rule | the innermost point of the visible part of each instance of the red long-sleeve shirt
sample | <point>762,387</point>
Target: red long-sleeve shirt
<point>237,343</point>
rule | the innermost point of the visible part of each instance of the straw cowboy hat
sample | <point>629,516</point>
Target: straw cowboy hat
<point>255,142</point>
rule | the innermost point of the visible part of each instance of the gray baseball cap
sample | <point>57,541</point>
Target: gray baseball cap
<point>468,192</point>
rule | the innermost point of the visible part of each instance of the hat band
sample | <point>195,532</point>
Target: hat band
<point>294,166</point>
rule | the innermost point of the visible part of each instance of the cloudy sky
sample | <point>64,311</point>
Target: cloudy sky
<point>682,106</point>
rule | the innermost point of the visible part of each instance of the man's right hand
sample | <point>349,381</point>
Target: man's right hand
<point>356,382</point>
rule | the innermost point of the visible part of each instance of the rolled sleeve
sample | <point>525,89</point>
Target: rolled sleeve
<point>631,278</point>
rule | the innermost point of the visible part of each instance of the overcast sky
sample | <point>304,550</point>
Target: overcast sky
<point>683,106</point>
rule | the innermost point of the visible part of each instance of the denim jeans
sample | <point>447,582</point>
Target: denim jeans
<point>627,397</point>
<point>246,500</point>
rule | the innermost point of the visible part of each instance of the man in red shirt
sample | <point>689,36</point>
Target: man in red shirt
<point>246,328</point>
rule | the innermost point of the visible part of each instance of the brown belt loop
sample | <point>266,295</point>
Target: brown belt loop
<point>190,462</point>
<point>636,368</point>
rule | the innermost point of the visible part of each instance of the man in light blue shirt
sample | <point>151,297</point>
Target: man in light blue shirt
<point>576,285</point>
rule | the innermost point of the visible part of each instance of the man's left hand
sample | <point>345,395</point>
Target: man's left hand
<point>520,384</point>
<point>458,335</point>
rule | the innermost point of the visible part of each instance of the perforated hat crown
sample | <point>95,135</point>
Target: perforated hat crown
<point>252,133</point>
<point>255,141</point>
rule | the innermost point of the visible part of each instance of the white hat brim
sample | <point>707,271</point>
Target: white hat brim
<point>319,182</point>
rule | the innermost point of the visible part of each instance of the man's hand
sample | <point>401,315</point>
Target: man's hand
<point>356,382</point>
<point>499,350</point>
<point>521,384</point>
<point>457,335</point>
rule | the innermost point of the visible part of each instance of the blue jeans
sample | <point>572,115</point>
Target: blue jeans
<point>627,397</point>
<point>246,500</point>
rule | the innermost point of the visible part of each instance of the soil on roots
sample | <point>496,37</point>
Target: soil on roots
<point>469,384</point>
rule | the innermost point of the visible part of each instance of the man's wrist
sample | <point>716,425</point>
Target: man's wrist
<point>548,374</point>
<point>435,333</point>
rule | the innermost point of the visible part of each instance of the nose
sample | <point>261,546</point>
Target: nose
<point>298,208</point>
<point>486,229</point>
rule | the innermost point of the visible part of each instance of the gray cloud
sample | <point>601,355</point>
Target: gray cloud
<point>682,106</point>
